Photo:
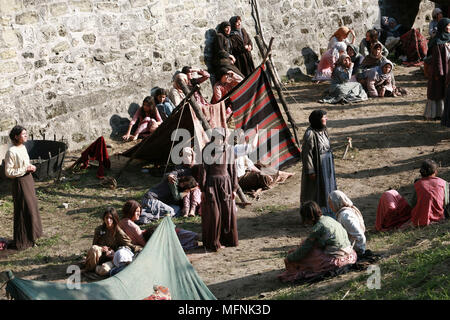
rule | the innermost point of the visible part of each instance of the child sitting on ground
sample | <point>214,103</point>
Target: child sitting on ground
<point>191,194</point>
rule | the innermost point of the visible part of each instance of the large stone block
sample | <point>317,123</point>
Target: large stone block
<point>22,79</point>
<point>59,9</point>
<point>10,6</point>
<point>108,6</point>
<point>8,54</point>
<point>27,18</point>
<point>9,67</point>
<point>82,6</point>
<point>60,47</point>
<point>10,38</point>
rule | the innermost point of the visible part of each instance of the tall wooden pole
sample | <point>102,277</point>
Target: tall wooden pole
<point>271,69</point>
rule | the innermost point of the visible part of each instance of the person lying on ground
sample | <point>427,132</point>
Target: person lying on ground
<point>163,198</point>
<point>328,61</point>
<point>351,219</point>
<point>163,103</point>
<point>327,247</point>
<point>366,43</point>
<point>148,120</point>
<point>108,237</point>
<point>341,35</point>
<point>253,177</point>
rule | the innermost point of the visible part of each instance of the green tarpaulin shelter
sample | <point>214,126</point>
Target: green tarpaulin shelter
<point>161,262</point>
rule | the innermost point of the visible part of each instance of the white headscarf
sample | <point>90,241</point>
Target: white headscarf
<point>340,202</point>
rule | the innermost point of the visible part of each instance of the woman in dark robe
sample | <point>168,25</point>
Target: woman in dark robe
<point>241,47</point>
<point>218,183</point>
<point>223,50</point>
<point>27,221</point>
<point>438,77</point>
<point>318,176</point>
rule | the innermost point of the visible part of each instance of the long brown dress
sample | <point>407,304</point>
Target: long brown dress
<point>27,221</point>
<point>219,225</point>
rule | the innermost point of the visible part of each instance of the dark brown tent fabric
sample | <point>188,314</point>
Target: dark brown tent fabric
<point>156,148</point>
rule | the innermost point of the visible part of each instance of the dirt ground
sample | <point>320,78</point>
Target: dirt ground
<point>389,137</point>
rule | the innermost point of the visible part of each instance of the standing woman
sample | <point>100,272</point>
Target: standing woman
<point>438,78</point>
<point>27,221</point>
<point>218,183</point>
<point>318,176</point>
<point>241,46</point>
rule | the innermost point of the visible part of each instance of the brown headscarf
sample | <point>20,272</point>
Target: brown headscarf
<point>342,32</point>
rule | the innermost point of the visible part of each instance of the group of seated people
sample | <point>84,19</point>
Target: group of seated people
<point>116,242</point>
<point>231,62</point>
<point>334,244</point>
<point>356,73</point>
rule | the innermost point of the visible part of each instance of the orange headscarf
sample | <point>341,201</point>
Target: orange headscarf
<point>342,33</point>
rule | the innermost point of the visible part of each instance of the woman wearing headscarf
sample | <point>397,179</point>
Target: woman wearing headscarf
<point>318,176</point>
<point>438,77</point>
<point>366,43</point>
<point>343,88</point>
<point>351,219</point>
<point>241,46</point>
<point>223,50</point>
<point>375,58</point>
<point>341,35</point>
<point>436,15</point>
<point>218,182</point>
<point>328,61</point>
<point>355,56</point>
<point>326,249</point>
<point>379,81</point>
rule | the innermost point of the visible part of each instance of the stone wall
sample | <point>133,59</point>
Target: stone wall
<point>78,68</point>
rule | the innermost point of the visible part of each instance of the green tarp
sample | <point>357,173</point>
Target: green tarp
<point>161,262</point>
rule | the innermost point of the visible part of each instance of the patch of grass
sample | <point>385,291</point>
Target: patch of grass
<point>49,242</point>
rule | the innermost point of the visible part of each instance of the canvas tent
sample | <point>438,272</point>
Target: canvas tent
<point>253,103</point>
<point>161,262</point>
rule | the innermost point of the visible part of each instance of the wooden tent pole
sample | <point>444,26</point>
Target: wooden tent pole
<point>206,126</point>
<point>271,69</point>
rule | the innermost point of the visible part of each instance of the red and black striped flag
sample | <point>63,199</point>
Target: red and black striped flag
<point>253,103</point>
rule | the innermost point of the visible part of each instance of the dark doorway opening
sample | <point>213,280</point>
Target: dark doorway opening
<point>404,11</point>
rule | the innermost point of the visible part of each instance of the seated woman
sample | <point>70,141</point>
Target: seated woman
<point>431,198</point>
<point>227,80</point>
<point>163,103</point>
<point>375,58</point>
<point>108,237</point>
<point>344,88</point>
<point>131,212</point>
<point>341,35</point>
<point>148,117</point>
<point>393,211</point>
<point>176,94</point>
<point>328,61</point>
<point>366,44</point>
<point>190,194</point>
<point>355,57</point>
<point>351,219</point>
<point>378,81</point>
<point>393,33</point>
<point>327,247</point>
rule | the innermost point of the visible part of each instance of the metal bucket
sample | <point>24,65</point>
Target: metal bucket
<point>46,155</point>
